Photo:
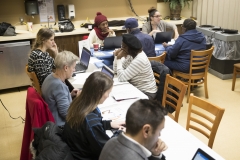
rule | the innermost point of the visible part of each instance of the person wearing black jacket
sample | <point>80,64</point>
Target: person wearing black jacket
<point>84,130</point>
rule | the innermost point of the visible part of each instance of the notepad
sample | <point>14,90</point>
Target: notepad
<point>99,64</point>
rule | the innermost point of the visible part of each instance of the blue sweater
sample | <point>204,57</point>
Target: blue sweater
<point>57,96</point>
<point>178,55</point>
<point>146,41</point>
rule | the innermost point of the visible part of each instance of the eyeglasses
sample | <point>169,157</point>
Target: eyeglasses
<point>158,16</point>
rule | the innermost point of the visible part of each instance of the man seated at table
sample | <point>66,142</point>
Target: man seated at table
<point>100,30</point>
<point>146,40</point>
<point>178,55</point>
<point>135,68</point>
<point>144,122</point>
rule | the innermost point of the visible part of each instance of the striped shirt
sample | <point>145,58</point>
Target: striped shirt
<point>136,71</point>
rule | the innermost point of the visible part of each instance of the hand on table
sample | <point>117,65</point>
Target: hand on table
<point>117,124</point>
<point>165,44</point>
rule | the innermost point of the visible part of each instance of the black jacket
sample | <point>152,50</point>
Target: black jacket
<point>49,144</point>
<point>88,141</point>
<point>162,70</point>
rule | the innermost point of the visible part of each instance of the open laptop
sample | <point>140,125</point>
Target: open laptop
<point>107,71</point>
<point>84,61</point>
<point>111,43</point>
<point>201,155</point>
<point>162,37</point>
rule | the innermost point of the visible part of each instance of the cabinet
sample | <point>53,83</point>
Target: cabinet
<point>13,59</point>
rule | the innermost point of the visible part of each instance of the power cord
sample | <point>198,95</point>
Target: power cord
<point>23,120</point>
<point>130,4</point>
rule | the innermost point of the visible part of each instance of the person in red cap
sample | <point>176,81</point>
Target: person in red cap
<point>100,31</point>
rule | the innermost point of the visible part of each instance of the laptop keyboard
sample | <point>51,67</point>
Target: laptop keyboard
<point>79,67</point>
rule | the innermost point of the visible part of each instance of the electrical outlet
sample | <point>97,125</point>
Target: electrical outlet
<point>21,20</point>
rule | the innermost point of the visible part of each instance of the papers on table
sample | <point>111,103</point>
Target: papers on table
<point>116,82</point>
<point>98,54</point>
<point>126,91</point>
<point>172,42</point>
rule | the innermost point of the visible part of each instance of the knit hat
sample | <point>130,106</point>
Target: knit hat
<point>131,23</point>
<point>131,41</point>
<point>99,18</point>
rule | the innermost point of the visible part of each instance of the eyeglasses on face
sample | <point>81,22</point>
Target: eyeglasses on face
<point>158,16</point>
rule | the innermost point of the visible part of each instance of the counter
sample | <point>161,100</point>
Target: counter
<point>23,34</point>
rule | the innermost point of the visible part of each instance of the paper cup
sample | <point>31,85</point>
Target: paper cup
<point>29,25</point>
<point>95,46</point>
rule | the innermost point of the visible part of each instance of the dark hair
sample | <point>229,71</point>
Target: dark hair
<point>93,89</point>
<point>144,112</point>
<point>151,12</point>
<point>189,24</point>
<point>132,52</point>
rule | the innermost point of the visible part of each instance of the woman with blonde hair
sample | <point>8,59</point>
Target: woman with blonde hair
<point>84,131</point>
<point>39,60</point>
<point>54,90</point>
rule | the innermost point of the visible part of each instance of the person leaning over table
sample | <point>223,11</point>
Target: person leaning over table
<point>39,60</point>
<point>135,68</point>
<point>100,30</point>
<point>54,90</point>
<point>85,131</point>
<point>131,25</point>
<point>179,55</point>
<point>144,123</point>
<point>155,24</point>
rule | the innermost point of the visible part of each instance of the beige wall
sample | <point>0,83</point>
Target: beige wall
<point>11,10</point>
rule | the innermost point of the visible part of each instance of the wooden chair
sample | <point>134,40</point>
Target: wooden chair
<point>199,63</point>
<point>213,116</point>
<point>34,80</point>
<point>173,94</point>
<point>236,71</point>
<point>160,58</point>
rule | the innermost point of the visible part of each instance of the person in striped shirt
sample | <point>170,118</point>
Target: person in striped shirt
<point>135,68</point>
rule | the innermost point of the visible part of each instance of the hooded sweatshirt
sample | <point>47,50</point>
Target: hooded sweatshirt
<point>178,55</point>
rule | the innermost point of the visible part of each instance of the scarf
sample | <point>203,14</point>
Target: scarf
<point>99,33</point>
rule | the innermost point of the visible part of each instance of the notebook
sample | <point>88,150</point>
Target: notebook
<point>162,37</point>
<point>83,43</point>
<point>201,155</point>
<point>84,61</point>
<point>107,71</point>
<point>111,43</point>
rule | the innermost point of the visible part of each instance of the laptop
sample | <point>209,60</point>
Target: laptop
<point>107,71</point>
<point>110,43</point>
<point>201,155</point>
<point>162,37</point>
<point>84,61</point>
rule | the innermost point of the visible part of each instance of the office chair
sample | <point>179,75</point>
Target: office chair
<point>173,94</point>
<point>197,119</point>
<point>34,80</point>
<point>236,71</point>
<point>199,63</point>
<point>160,58</point>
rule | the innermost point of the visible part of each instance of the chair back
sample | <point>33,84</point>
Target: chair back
<point>204,117</point>
<point>199,63</point>
<point>34,80</point>
<point>160,58</point>
<point>173,94</point>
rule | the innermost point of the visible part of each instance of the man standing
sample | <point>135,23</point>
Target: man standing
<point>144,122</point>
<point>147,42</point>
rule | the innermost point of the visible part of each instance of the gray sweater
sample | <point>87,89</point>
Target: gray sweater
<point>163,26</point>
<point>57,96</point>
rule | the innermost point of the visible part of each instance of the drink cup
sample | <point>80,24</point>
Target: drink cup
<point>95,46</point>
<point>29,25</point>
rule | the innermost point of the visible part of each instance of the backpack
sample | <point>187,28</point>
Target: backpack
<point>6,29</point>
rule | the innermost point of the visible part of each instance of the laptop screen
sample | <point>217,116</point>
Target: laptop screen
<point>85,57</point>
<point>111,43</point>
<point>162,37</point>
<point>107,71</point>
<point>201,155</point>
